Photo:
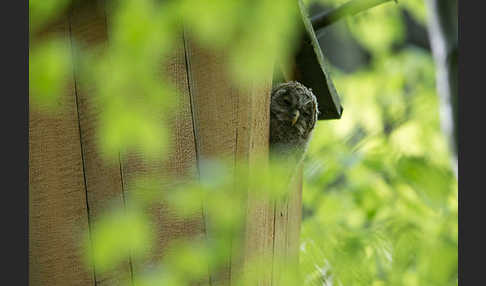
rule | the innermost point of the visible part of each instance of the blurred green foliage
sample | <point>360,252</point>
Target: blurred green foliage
<point>379,198</point>
<point>49,70</point>
<point>118,234</point>
<point>43,11</point>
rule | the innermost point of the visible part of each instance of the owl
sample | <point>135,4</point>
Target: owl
<point>293,115</point>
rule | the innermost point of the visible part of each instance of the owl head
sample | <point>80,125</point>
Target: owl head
<point>294,107</point>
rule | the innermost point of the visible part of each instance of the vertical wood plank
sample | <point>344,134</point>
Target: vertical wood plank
<point>214,105</point>
<point>180,164</point>
<point>103,177</point>
<point>57,196</point>
<point>232,126</point>
<point>258,237</point>
<point>280,240</point>
<point>288,215</point>
<point>294,221</point>
<point>103,180</point>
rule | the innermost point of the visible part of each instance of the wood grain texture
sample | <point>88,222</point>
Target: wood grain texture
<point>295,217</point>
<point>213,102</point>
<point>280,240</point>
<point>294,213</point>
<point>288,215</point>
<point>103,177</point>
<point>180,164</point>
<point>259,229</point>
<point>232,127</point>
<point>57,196</point>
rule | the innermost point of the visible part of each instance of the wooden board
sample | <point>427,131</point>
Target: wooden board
<point>259,229</point>
<point>280,240</point>
<point>294,213</point>
<point>180,164</point>
<point>214,103</point>
<point>288,215</point>
<point>103,177</point>
<point>294,210</point>
<point>57,196</point>
<point>232,126</point>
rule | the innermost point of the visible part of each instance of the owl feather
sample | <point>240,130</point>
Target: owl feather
<point>293,115</point>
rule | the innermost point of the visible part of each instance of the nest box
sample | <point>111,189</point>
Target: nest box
<point>309,68</point>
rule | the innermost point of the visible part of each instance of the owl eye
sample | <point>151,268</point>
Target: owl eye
<point>286,100</point>
<point>308,109</point>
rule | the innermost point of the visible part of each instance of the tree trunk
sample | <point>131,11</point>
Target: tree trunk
<point>443,33</point>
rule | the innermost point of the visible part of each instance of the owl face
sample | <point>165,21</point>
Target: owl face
<point>295,107</point>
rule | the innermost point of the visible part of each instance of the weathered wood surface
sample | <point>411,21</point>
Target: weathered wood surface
<point>57,195</point>
<point>103,178</point>
<point>214,105</point>
<point>181,163</point>
<point>294,212</point>
<point>232,126</point>
<point>259,229</point>
<point>71,183</point>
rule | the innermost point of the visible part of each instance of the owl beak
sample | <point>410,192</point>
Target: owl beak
<point>296,117</point>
